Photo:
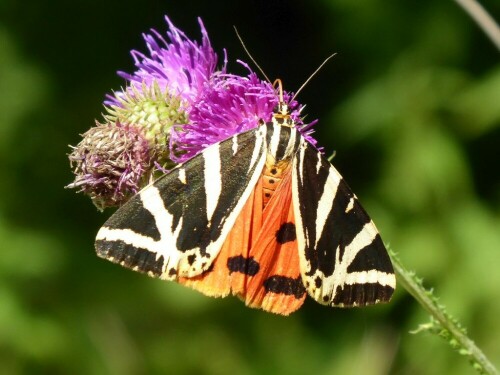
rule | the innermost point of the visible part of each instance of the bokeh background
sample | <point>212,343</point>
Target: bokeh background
<point>411,105</point>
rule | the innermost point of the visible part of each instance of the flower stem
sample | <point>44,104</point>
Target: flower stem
<point>483,19</point>
<point>442,323</point>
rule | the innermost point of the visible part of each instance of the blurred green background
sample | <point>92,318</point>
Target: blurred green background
<point>411,104</point>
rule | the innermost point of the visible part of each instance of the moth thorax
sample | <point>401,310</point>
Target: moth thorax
<point>272,175</point>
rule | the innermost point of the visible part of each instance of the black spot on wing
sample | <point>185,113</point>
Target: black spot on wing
<point>285,285</point>
<point>372,257</point>
<point>318,282</point>
<point>135,217</point>
<point>286,233</point>
<point>362,294</point>
<point>191,259</point>
<point>130,256</point>
<point>247,266</point>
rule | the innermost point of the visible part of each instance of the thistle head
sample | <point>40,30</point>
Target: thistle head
<point>175,104</point>
<point>153,111</point>
<point>110,163</point>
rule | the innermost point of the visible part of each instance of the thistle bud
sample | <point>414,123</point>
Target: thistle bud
<point>151,109</point>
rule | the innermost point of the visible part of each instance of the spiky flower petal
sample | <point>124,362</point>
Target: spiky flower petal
<point>233,104</point>
<point>177,64</point>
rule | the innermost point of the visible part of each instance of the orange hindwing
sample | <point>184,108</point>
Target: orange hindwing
<point>259,260</point>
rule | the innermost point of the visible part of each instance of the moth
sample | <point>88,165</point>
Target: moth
<point>262,215</point>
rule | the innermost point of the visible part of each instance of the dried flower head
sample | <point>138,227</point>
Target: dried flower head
<point>110,163</point>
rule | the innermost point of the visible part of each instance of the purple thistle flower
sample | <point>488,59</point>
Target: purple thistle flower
<point>175,105</point>
<point>177,64</point>
<point>231,105</point>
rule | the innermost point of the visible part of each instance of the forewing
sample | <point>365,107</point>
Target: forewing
<point>176,226</point>
<point>343,259</point>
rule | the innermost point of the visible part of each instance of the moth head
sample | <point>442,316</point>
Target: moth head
<point>281,115</point>
<point>282,109</point>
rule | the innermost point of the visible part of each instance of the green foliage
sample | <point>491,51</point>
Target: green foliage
<point>410,104</point>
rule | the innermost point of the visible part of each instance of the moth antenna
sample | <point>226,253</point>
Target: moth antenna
<point>249,55</point>
<point>311,76</point>
<point>280,88</point>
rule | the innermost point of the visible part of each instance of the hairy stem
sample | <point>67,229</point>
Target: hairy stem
<point>442,323</point>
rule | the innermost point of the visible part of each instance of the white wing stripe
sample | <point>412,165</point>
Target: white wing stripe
<point>213,178</point>
<point>325,204</point>
<point>165,247</point>
<point>127,236</point>
<point>153,202</point>
<point>235,144</point>
<point>182,176</point>
<point>291,142</point>
<point>371,277</point>
<point>275,140</point>
<point>318,164</point>
<point>364,238</point>
<point>259,139</point>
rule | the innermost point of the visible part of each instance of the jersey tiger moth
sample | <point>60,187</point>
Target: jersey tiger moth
<point>262,215</point>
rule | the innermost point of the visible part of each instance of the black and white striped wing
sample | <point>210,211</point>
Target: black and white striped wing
<point>343,260</point>
<point>177,225</point>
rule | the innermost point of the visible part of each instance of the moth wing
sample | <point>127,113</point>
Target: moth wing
<point>259,261</point>
<point>277,286</point>
<point>342,257</point>
<point>176,226</point>
<point>228,273</point>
